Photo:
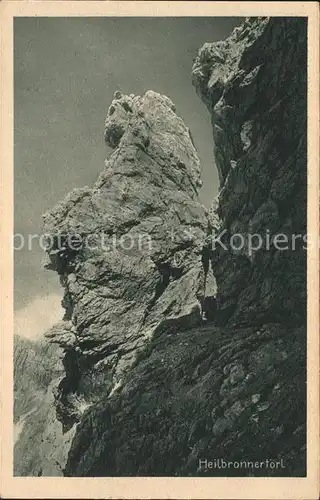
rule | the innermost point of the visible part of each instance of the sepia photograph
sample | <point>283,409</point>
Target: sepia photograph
<point>162,247</point>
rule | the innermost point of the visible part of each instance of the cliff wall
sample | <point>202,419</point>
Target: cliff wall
<point>254,85</point>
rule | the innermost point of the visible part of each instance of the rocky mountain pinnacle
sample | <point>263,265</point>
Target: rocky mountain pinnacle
<point>129,251</point>
<point>179,350</point>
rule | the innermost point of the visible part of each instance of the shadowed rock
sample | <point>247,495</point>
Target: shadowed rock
<point>254,85</point>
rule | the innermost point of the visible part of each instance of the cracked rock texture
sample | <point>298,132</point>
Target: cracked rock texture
<point>188,351</point>
<point>254,84</point>
<point>129,251</point>
<point>207,393</point>
<point>40,446</point>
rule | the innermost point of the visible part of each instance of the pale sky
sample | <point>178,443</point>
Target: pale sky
<point>66,72</point>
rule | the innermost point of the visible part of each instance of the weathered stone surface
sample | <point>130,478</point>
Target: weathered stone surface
<point>188,390</point>
<point>40,447</point>
<point>254,85</point>
<point>143,271</point>
<point>236,391</point>
<point>177,406</point>
<point>63,334</point>
<point>35,365</point>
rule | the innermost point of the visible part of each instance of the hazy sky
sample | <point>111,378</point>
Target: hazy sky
<point>66,72</point>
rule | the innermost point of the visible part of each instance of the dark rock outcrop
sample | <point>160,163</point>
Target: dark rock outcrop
<point>205,394</point>
<point>156,388</point>
<point>255,86</point>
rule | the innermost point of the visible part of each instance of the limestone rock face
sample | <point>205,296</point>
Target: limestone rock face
<point>254,85</point>
<point>40,447</point>
<point>129,251</point>
<point>235,389</point>
<point>156,388</point>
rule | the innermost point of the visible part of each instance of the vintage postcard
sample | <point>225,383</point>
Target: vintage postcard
<point>159,250</point>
